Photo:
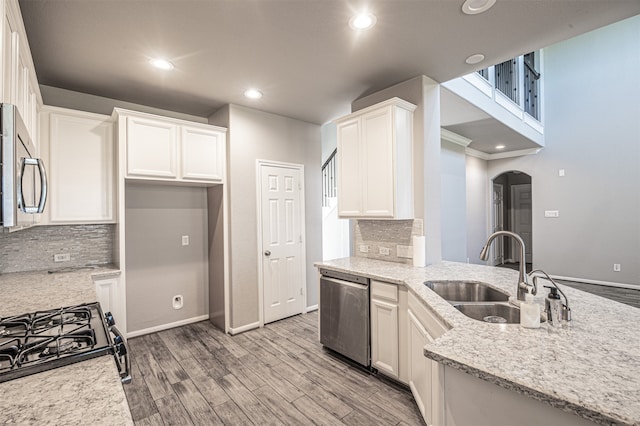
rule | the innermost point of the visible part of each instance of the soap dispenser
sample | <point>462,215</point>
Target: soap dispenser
<point>529,312</point>
<point>553,307</point>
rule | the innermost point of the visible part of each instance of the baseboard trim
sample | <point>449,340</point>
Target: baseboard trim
<point>166,326</point>
<point>238,330</point>
<point>596,282</point>
<point>311,308</point>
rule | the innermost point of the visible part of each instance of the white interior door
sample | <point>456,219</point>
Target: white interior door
<point>522,216</point>
<point>282,271</point>
<point>498,223</point>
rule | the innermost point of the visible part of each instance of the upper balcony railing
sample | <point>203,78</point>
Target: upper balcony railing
<point>519,80</point>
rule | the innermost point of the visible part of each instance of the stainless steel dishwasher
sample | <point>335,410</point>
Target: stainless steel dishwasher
<point>344,315</point>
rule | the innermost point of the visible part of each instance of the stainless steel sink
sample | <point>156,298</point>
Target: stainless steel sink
<point>490,312</point>
<point>467,291</point>
<point>498,313</point>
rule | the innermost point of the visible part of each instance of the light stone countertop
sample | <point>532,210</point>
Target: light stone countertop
<point>591,369</point>
<point>87,392</point>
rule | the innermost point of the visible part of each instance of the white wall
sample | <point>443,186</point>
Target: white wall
<point>592,131</point>
<point>478,194</point>
<point>256,135</point>
<point>453,204</point>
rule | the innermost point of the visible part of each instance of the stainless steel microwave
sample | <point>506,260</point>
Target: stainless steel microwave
<point>24,181</point>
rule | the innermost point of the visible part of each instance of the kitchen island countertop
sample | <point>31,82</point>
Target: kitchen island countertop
<point>87,392</point>
<point>591,368</point>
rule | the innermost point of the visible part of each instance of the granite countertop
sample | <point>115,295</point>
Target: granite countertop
<point>85,392</point>
<point>591,368</point>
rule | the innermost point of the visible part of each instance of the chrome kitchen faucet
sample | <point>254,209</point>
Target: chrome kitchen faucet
<point>523,282</point>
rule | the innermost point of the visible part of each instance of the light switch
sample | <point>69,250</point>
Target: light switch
<point>561,172</point>
<point>185,240</point>
<point>551,213</point>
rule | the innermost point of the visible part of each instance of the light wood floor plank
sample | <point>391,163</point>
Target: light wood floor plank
<point>315,413</point>
<point>231,414</point>
<point>140,401</point>
<point>287,413</point>
<point>247,402</point>
<point>211,390</point>
<point>154,420</point>
<point>172,411</point>
<point>195,404</point>
<point>153,375</point>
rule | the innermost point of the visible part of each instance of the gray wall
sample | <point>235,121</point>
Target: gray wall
<point>158,266</point>
<point>592,130</point>
<point>257,135</point>
<point>63,98</point>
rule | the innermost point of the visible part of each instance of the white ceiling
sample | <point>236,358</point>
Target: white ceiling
<point>300,53</point>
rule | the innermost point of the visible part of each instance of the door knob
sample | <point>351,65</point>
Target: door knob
<point>267,253</point>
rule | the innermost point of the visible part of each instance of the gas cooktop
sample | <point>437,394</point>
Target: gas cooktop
<point>35,342</point>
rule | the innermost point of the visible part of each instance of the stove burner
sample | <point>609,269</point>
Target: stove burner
<point>9,350</point>
<point>44,321</point>
<point>14,326</point>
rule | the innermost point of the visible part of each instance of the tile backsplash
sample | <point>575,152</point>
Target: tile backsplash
<point>380,235</point>
<point>33,249</point>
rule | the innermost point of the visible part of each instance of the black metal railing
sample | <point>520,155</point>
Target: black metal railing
<point>531,86</point>
<point>329,179</point>
<point>507,79</point>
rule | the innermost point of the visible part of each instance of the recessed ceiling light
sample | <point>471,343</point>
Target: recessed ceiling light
<point>163,64</point>
<point>500,146</point>
<point>253,93</point>
<point>473,7</point>
<point>362,21</point>
<point>474,59</point>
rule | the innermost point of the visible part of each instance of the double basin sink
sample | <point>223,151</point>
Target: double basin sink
<point>477,300</point>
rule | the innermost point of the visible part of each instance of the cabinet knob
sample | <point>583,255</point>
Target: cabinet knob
<point>267,253</point>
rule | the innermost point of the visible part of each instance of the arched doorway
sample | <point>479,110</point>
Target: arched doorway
<point>512,211</point>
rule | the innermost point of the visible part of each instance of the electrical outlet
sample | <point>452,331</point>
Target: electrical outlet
<point>616,267</point>
<point>61,257</point>
<point>384,251</point>
<point>185,240</point>
<point>177,301</point>
<point>364,248</point>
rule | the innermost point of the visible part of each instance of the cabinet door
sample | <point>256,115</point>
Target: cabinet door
<point>202,154</point>
<point>384,337</point>
<point>7,61</point>
<point>151,148</point>
<point>108,294</point>
<point>349,169</point>
<point>420,373</point>
<point>81,169</point>
<point>378,174</point>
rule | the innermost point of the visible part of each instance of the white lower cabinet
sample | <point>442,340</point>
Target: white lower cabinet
<point>388,336</point>
<point>81,169</point>
<point>109,296</point>
<point>425,375</point>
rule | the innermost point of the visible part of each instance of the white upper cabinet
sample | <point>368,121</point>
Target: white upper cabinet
<point>375,162</point>
<point>81,166</point>
<point>152,148</point>
<point>202,154</point>
<point>19,80</point>
<point>166,149</point>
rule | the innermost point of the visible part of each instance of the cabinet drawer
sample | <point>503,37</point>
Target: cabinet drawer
<point>380,290</point>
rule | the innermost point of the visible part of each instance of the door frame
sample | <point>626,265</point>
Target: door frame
<point>303,251</point>
<point>493,225</point>
<point>512,207</point>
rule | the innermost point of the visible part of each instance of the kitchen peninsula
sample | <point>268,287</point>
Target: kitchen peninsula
<point>588,371</point>
<point>86,392</point>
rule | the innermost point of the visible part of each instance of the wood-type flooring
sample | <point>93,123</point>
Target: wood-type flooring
<point>276,375</point>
